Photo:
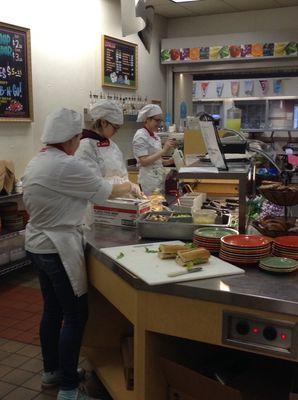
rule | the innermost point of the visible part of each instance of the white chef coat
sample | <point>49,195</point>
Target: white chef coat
<point>57,188</point>
<point>151,177</point>
<point>104,158</point>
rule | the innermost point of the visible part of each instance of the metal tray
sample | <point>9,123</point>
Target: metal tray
<point>172,230</point>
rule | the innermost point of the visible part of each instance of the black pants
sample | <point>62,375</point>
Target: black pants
<point>63,320</point>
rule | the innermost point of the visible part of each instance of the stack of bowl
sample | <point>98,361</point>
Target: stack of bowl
<point>244,249</point>
<point>286,246</point>
<point>209,237</point>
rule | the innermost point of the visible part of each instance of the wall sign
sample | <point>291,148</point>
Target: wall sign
<point>230,52</point>
<point>119,63</point>
<point>15,74</point>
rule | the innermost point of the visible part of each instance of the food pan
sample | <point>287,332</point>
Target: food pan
<point>150,225</point>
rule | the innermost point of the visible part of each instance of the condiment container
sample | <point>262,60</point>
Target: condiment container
<point>203,217</point>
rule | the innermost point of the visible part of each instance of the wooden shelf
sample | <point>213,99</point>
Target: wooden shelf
<point>108,366</point>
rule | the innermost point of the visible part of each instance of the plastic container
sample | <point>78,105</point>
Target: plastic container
<point>234,118</point>
<point>203,217</point>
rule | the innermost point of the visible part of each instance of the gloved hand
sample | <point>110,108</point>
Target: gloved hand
<point>136,190</point>
<point>169,144</point>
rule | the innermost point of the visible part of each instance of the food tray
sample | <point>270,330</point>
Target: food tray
<point>148,228</point>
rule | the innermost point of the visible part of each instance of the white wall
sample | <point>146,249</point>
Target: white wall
<point>66,64</point>
<point>249,21</point>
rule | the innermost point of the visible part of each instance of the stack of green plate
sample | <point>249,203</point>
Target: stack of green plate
<point>280,265</point>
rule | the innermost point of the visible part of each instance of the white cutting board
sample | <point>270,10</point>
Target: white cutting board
<point>154,271</point>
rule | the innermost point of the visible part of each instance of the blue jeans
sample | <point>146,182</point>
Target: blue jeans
<point>63,320</point>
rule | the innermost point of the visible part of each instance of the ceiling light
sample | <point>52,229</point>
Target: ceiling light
<point>184,1</point>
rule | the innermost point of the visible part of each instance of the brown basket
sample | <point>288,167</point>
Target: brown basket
<point>280,197</point>
<point>290,224</point>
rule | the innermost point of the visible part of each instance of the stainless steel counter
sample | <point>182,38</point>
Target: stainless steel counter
<point>256,289</point>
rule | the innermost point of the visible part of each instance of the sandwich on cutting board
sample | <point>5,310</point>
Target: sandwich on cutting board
<point>191,258</point>
<point>184,256</point>
<point>167,251</point>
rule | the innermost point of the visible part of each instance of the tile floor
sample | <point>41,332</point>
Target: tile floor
<point>20,356</point>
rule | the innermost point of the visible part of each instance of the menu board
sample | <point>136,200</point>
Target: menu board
<point>119,63</point>
<point>15,74</point>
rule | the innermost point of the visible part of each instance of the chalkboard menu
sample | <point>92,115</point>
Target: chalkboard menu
<point>15,74</point>
<point>119,63</point>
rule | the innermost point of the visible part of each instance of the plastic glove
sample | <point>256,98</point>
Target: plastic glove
<point>169,144</point>
<point>135,190</point>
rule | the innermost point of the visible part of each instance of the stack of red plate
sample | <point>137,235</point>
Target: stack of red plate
<point>209,237</point>
<point>286,246</point>
<point>244,249</point>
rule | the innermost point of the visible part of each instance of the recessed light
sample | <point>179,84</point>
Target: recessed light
<point>184,1</point>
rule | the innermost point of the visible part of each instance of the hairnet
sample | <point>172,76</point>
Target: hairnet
<point>108,110</point>
<point>150,110</point>
<point>61,125</point>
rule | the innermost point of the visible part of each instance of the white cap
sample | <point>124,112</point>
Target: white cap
<point>108,110</point>
<point>61,125</point>
<point>150,110</point>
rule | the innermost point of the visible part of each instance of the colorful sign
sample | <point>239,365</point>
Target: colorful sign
<point>221,53</point>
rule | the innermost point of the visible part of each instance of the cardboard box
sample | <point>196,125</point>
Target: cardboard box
<point>253,384</point>
<point>120,212</point>
<point>7,176</point>
<point>186,384</point>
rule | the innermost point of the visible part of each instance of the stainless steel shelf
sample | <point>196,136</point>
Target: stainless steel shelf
<point>10,196</point>
<point>7,268</point>
<point>10,235</point>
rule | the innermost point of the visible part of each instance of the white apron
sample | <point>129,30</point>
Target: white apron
<point>151,177</point>
<point>70,246</point>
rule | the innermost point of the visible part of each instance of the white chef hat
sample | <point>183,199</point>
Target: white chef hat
<point>150,110</point>
<point>108,110</point>
<point>61,125</point>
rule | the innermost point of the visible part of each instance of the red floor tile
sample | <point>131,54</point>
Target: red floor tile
<point>9,333</point>
<point>24,325</point>
<point>20,313</point>
<point>6,322</point>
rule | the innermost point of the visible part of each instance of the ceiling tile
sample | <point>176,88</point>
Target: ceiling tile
<point>209,7</point>
<point>287,3</point>
<point>172,12</point>
<point>245,5</point>
<point>169,9</point>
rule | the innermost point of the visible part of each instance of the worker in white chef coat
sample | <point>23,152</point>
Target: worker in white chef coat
<point>148,150</point>
<point>97,148</point>
<point>57,187</point>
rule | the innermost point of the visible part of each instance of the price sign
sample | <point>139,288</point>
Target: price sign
<point>15,74</point>
<point>119,63</point>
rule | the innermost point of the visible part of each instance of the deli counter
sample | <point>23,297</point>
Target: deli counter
<point>216,312</point>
